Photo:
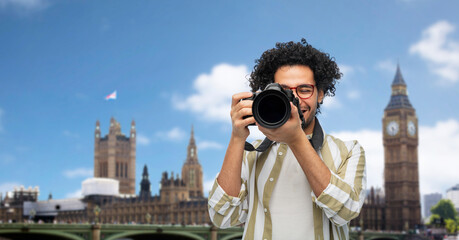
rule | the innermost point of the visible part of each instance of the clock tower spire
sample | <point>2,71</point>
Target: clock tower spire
<point>401,174</point>
<point>192,170</point>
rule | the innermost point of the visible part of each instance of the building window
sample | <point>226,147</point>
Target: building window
<point>117,169</point>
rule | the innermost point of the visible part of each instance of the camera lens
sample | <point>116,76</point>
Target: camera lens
<point>271,108</point>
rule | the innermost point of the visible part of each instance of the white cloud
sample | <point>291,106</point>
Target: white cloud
<point>439,50</point>
<point>142,139</point>
<point>387,65</point>
<point>79,172</point>
<point>213,92</point>
<point>76,194</point>
<point>8,187</point>
<point>331,103</point>
<point>346,69</point>
<point>25,5</point>
<point>255,134</point>
<point>353,94</point>
<point>437,155</point>
<point>1,119</point>
<point>208,186</point>
<point>209,145</point>
<point>208,183</point>
<point>175,134</point>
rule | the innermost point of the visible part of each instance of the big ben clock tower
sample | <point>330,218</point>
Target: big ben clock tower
<point>192,170</point>
<point>401,177</point>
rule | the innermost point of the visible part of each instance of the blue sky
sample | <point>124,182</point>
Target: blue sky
<point>176,64</point>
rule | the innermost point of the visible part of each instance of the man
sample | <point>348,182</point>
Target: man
<point>307,184</point>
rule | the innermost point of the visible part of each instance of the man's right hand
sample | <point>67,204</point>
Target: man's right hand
<point>240,109</point>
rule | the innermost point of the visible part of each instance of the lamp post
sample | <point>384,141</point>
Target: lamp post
<point>97,211</point>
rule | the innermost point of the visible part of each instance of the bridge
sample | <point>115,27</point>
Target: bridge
<point>35,231</point>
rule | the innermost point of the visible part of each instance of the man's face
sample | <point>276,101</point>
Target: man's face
<point>294,76</point>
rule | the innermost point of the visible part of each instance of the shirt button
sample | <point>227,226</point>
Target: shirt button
<point>280,153</point>
<point>266,210</point>
<point>271,179</point>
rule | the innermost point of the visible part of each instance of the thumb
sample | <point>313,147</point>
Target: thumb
<point>294,111</point>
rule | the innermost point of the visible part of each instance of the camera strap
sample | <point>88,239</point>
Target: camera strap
<point>263,146</point>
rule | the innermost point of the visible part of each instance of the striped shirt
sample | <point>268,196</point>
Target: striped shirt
<point>332,210</point>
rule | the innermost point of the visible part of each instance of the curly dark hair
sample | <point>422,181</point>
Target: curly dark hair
<point>324,67</point>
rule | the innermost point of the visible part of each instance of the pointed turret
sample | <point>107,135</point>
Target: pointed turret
<point>145,184</point>
<point>192,153</point>
<point>398,79</point>
<point>399,98</point>
<point>192,170</point>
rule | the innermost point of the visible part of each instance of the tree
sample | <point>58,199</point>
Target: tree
<point>445,209</point>
<point>436,220</point>
<point>450,225</point>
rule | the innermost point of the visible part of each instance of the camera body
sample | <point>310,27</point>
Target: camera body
<point>271,107</point>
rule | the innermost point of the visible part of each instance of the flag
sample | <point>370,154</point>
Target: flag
<point>111,96</point>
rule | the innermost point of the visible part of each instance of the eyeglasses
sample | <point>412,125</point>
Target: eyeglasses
<point>303,91</point>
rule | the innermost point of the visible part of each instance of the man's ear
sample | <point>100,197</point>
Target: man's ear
<point>321,96</point>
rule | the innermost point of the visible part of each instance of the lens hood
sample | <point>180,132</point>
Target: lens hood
<point>271,107</point>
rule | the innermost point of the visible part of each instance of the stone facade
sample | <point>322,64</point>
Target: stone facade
<point>114,156</point>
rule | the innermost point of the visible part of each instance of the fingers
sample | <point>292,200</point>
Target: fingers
<point>239,114</point>
<point>239,108</point>
<point>238,96</point>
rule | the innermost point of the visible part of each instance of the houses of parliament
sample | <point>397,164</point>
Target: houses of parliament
<point>110,197</point>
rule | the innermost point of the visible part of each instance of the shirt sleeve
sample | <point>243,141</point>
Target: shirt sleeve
<point>343,198</point>
<point>225,210</point>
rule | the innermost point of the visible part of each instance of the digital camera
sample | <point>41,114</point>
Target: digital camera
<point>271,107</point>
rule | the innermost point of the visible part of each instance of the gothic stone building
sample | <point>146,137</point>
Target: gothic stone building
<point>399,207</point>
<point>180,199</point>
<point>114,156</point>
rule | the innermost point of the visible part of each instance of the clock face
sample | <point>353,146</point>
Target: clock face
<point>392,128</point>
<point>411,128</point>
